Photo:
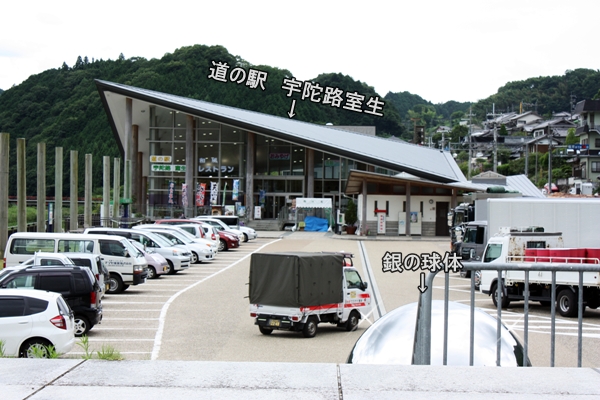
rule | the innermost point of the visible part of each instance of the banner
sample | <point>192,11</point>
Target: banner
<point>214,193</point>
<point>184,199</point>
<point>261,197</point>
<point>171,190</point>
<point>236,189</point>
<point>200,193</point>
<point>224,193</point>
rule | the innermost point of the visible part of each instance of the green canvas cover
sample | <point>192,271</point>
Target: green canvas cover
<point>296,279</point>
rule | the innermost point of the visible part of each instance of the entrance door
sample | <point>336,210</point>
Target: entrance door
<point>441,218</point>
<point>273,205</point>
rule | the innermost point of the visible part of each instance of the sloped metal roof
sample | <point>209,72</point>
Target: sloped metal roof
<point>394,155</point>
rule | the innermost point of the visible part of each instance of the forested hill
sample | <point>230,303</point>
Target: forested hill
<point>62,107</point>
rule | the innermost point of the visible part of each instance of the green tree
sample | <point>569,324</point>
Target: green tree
<point>571,138</point>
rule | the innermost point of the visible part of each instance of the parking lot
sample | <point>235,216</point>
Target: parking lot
<point>202,313</point>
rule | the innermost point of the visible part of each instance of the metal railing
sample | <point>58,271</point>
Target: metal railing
<point>422,346</point>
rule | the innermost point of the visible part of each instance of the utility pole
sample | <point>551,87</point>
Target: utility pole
<point>470,145</point>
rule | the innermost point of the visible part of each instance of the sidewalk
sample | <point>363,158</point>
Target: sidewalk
<point>148,380</point>
<point>344,236</point>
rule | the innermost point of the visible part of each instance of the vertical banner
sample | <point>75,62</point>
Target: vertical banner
<point>200,193</point>
<point>214,193</point>
<point>236,190</point>
<point>224,193</point>
<point>184,199</point>
<point>171,190</point>
<point>261,197</point>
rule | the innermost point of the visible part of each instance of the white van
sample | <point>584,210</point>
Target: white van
<point>126,265</point>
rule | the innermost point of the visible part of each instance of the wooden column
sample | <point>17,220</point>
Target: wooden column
<point>21,186</point>
<point>41,187</point>
<point>58,190</point>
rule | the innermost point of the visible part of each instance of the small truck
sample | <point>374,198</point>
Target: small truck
<point>297,291</point>
<point>545,247</point>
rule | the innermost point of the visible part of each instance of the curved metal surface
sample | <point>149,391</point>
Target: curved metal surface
<point>390,340</point>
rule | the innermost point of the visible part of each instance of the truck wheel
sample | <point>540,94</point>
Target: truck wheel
<point>352,322</point>
<point>115,284</point>
<point>505,300</point>
<point>265,331</point>
<point>310,328</point>
<point>566,303</point>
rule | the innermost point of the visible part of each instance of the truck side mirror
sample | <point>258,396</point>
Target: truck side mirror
<point>363,285</point>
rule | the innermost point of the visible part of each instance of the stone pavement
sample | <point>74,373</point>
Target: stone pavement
<point>149,380</point>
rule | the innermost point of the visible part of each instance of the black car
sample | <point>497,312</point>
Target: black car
<point>77,285</point>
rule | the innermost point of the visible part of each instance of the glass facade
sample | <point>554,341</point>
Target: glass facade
<point>279,173</point>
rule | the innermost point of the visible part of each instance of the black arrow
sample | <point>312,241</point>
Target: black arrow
<point>422,286</point>
<point>291,113</point>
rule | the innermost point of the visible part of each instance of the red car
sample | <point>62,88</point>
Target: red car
<point>227,241</point>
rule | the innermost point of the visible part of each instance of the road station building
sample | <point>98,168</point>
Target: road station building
<point>194,157</point>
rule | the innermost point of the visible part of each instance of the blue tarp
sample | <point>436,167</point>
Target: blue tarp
<point>315,224</point>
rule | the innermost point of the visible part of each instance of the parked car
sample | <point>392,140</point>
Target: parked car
<point>77,285</point>
<point>207,231</point>
<point>31,319</point>
<point>223,227</point>
<point>227,240</point>
<point>89,260</point>
<point>157,264</point>
<point>233,222</point>
<point>184,236</point>
<point>177,221</point>
<point>200,251</point>
<point>177,258</point>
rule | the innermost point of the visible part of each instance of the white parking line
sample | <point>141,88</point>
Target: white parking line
<point>165,308</point>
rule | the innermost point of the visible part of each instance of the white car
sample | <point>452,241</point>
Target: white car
<point>233,222</point>
<point>33,320</point>
<point>201,249</point>
<point>223,225</point>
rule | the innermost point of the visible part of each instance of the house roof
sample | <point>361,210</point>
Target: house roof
<point>585,106</point>
<point>394,155</point>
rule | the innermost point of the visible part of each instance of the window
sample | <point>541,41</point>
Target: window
<point>22,282</point>
<point>597,143</point>
<point>14,307</point>
<point>30,246</point>
<point>492,252</point>
<point>76,246</point>
<point>353,280</point>
<point>595,166</point>
<point>56,283</point>
<point>35,306</point>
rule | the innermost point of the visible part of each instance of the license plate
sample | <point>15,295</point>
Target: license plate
<point>165,268</point>
<point>274,322</point>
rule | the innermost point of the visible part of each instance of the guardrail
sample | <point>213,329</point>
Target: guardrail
<point>422,347</point>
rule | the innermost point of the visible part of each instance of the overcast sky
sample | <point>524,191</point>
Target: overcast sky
<point>442,50</point>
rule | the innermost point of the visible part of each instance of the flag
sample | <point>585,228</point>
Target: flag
<point>236,189</point>
<point>184,199</point>
<point>200,193</point>
<point>214,193</point>
<point>171,189</point>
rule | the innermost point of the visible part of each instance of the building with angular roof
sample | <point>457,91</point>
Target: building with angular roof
<point>193,157</point>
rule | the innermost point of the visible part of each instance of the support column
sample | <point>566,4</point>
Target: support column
<point>310,175</point>
<point>249,193</point>
<point>407,213</point>
<point>129,151</point>
<point>105,192</point>
<point>453,200</point>
<point>134,168</point>
<point>73,208</point>
<point>189,165</point>
<point>21,186</point>
<point>363,222</point>
<point>41,187</point>
<point>139,186</point>
<point>4,158</point>
<point>87,199</point>
<point>144,195</point>
<point>116,188</point>
<point>58,190</point>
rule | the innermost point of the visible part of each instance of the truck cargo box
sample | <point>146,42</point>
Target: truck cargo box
<point>296,279</point>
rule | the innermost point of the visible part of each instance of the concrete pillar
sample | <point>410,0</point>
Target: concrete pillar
<point>363,222</point>
<point>134,168</point>
<point>144,194</point>
<point>129,151</point>
<point>139,185</point>
<point>105,191</point>
<point>310,174</point>
<point>407,213</point>
<point>249,193</point>
<point>58,190</point>
<point>116,188</point>
<point>41,187</point>
<point>87,200</point>
<point>189,165</point>
<point>4,158</point>
<point>21,186</point>
<point>74,204</point>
